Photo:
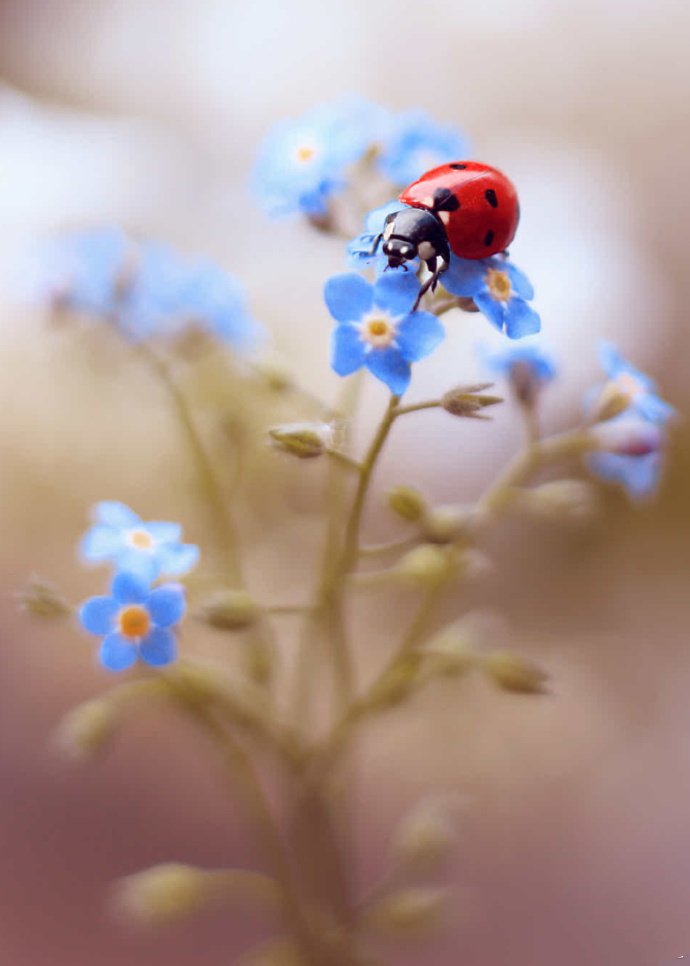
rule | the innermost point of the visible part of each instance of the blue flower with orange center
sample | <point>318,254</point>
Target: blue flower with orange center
<point>359,250</point>
<point>377,328</point>
<point>120,537</point>
<point>498,289</point>
<point>135,622</point>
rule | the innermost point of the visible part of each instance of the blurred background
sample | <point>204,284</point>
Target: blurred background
<point>574,844</point>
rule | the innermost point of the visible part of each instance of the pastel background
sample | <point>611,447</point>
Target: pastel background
<point>574,844</point>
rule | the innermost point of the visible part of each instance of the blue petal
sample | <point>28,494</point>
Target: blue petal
<point>101,543</point>
<point>653,408</point>
<point>177,559</point>
<point>389,366</point>
<point>418,335</point>
<point>166,605</point>
<point>163,532</point>
<point>494,310</point>
<point>521,319</point>
<point>396,291</point>
<point>348,350</point>
<point>117,653</point>
<point>97,615</point>
<point>464,277</point>
<point>612,362</point>
<point>142,563</point>
<point>348,297</point>
<point>521,285</point>
<point>115,514</point>
<point>129,588</point>
<point>159,647</point>
<point>638,474</point>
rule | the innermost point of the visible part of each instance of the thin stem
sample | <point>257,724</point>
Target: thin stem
<point>223,521</point>
<point>379,549</point>
<point>415,407</point>
<point>347,461</point>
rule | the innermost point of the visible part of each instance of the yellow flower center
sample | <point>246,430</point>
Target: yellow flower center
<point>134,621</point>
<point>498,284</point>
<point>141,539</point>
<point>378,331</point>
<point>305,153</point>
<point>628,384</point>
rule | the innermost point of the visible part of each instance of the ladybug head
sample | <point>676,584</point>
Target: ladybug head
<point>413,233</point>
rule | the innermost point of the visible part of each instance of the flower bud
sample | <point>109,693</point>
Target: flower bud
<point>628,437</point>
<point>86,730</point>
<point>514,673</point>
<point>229,610</point>
<point>445,524</point>
<point>413,912</point>
<point>407,502</point>
<point>426,564</point>
<point>41,599</point>
<point>162,894</point>
<point>425,839</point>
<point>567,500</point>
<point>469,400</point>
<point>304,440</point>
<point>612,401</point>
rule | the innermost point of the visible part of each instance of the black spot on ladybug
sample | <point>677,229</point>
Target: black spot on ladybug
<point>488,238</point>
<point>490,196</point>
<point>445,200</point>
<point>459,167</point>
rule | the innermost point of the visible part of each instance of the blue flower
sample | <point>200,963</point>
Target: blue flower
<point>520,363</point>
<point>644,399</point>
<point>498,289</point>
<point>376,328</point>
<point>633,442</point>
<point>359,254</point>
<point>146,289</point>
<point>303,162</point>
<point>121,538</point>
<point>416,144</point>
<point>83,270</point>
<point>135,622</point>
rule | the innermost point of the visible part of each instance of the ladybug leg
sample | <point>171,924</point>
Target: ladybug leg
<point>435,266</point>
<point>376,241</point>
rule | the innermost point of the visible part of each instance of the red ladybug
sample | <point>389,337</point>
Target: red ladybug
<point>465,207</point>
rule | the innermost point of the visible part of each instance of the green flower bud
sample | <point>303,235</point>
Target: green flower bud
<point>86,730</point>
<point>469,400</point>
<point>303,440</point>
<point>160,895</point>
<point>425,839</point>
<point>41,599</point>
<point>407,502</point>
<point>514,673</point>
<point>426,564</point>
<point>410,913</point>
<point>445,524</point>
<point>229,610</point>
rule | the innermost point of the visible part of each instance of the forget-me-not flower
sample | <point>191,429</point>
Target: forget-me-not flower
<point>527,366</point>
<point>377,329</point>
<point>359,253</point>
<point>84,270</point>
<point>149,550</point>
<point>498,289</point>
<point>633,442</point>
<point>416,143</point>
<point>135,621</point>
<point>302,162</point>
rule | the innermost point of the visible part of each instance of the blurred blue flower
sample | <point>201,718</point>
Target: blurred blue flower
<point>498,289</point>
<point>121,538</point>
<point>135,621</point>
<point>520,363</point>
<point>416,143</point>
<point>634,441</point>
<point>637,385</point>
<point>359,254</point>
<point>145,289</point>
<point>303,162</point>
<point>375,328</point>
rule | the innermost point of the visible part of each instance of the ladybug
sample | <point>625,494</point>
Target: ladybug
<point>464,207</point>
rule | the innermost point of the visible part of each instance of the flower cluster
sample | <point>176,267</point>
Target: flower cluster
<point>631,428</point>
<point>136,619</point>
<point>302,163</point>
<point>143,288</point>
<point>526,365</point>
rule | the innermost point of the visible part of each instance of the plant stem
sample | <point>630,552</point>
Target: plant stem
<point>416,407</point>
